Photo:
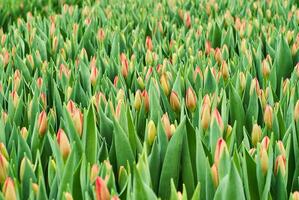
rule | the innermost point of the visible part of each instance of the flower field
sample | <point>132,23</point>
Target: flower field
<point>135,99</point>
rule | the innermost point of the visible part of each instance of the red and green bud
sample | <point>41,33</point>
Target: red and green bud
<point>221,148</point>
<point>94,75</point>
<point>190,99</point>
<point>148,43</point>
<point>145,100</point>
<point>215,178</point>
<point>264,160</point>
<point>94,171</point>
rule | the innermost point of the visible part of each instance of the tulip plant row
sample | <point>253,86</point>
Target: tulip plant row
<point>151,100</point>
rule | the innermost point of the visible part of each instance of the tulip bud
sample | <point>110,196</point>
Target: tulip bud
<point>264,160</point>
<point>94,173</point>
<point>151,131</point>
<point>3,150</point>
<point>265,68</point>
<point>145,100</point>
<point>124,65</point>
<point>190,99</point>
<point>39,82</point>
<point>164,84</point>
<point>42,123</point>
<point>137,101</point>
<point>175,101</point>
<point>35,188</point>
<point>218,56</point>
<point>93,76</point>
<point>187,20</point>
<point>101,35</point>
<point>228,130</point>
<point>254,86</point>
<point>297,69</point>
<point>140,82</point>
<point>63,143</point>
<point>120,95</point>
<point>224,70</point>
<point>172,128</point>
<point>280,165</point>
<point>214,173</point>
<point>295,195</point>
<point>101,190</point>
<point>166,125</point>
<point>15,99</point>
<point>281,148</point>
<point>256,134</point>
<point>148,43</point>
<point>9,191</point>
<point>205,116</point>
<point>242,80</point>
<point>43,99</point>
<point>268,116</point>
<point>78,121</point>
<point>218,119</point>
<point>24,161</point>
<point>265,142</point>
<point>220,149</point>
<point>68,196</point>
<point>296,112</point>
<point>16,80</point>
<point>3,168</point>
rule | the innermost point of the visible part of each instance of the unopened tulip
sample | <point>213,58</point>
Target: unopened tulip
<point>224,70</point>
<point>215,178</point>
<point>265,68</point>
<point>175,101</point>
<point>268,116</point>
<point>205,116</point>
<point>4,165</point>
<point>101,190</point>
<point>16,80</point>
<point>165,84</point>
<point>166,125</point>
<point>148,43</point>
<point>256,134</point>
<point>24,132</point>
<point>145,100</point>
<point>221,148</point>
<point>42,123</point>
<point>8,190</point>
<point>151,131</point>
<point>281,148</point>
<point>63,143</point>
<point>35,188</point>
<point>101,35</point>
<point>94,76</point>
<point>295,195</point>
<point>280,165</point>
<point>94,173</point>
<point>137,100</point>
<point>218,119</point>
<point>25,161</point>
<point>190,99</point>
<point>296,112</point>
<point>264,160</point>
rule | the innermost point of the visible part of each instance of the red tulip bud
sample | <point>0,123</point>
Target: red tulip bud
<point>101,34</point>
<point>101,190</point>
<point>145,100</point>
<point>265,142</point>
<point>39,82</point>
<point>148,43</point>
<point>218,119</point>
<point>220,149</point>
<point>190,99</point>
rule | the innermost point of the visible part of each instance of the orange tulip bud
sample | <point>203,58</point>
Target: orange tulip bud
<point>205,116</point>
<point>148,43</point>
<point>16,80</point>
<point>3,168</point>
<point>68,196</point>
<point>94,76</point>
<point>175,101</point>
<point>264,160</point>
<point>295,195</point>
<point>165,84</point>
<point>265,142</point>
<point>280,165</point>
<point>94,173</point>
<point>145,100</point>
